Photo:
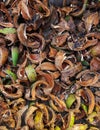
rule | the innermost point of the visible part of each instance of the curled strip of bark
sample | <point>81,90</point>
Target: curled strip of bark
<point>12,95</point>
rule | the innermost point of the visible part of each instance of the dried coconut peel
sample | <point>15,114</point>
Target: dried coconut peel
<point>49,65</point>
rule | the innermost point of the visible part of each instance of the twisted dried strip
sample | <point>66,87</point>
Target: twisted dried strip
<point>3,128</point>
<point>87,78</point>
<point>48,66</point>
<point>25,128</point>
<point>29,116</point>
<point>94,34</point>
<point>52,120</point>
<point>79,127</point>
<point>87,95</point>
<point>59,59</point>
<point>91,99</point>
<point>21,71</point>
<point>3,55</point>
<point>12,95</point>
<point>94,51</point>
<point>28,95</point>
<point>17,104</point>
<point>97,84</point>
<point>59,105</point>
<point>59,40</point>
<point>36,58</point>
<point>95,64</point>
<point>49,79</point>
<point>76,14</point>
<point>33,40</point>
<point>42,7</point>
<point>67,73</point>
<point>82,45</point>
<point>35,92</point>
<point>19,115</point>
<point>5,11</point>
<point>7,118</point>
<point>23,9</point>
<point>44,109</point>
<point>90,20</point>
<point>62,120</point>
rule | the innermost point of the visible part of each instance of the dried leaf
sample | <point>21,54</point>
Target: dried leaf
<point>92,19</point>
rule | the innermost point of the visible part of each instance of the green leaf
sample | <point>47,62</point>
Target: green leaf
<point>92,116</point>
<point>11,74</point>
<point>94,128</point>
<point>31,73</point>
<point>32,103</point>
<point>15,54</point>
<point>70,100</point>
<point>38,121</point>
<point>8,30</point>
<point>85,63</point>
<point>67,18</point>
<point>84,108</point>
<point>57,128</point>
<point>40,9</point>
<point>72,119</point>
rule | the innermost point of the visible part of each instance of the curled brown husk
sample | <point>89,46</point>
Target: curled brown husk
<point>55,82</point>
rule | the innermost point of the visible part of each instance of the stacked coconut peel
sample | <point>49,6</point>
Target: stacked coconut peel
<point>49,65</point>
